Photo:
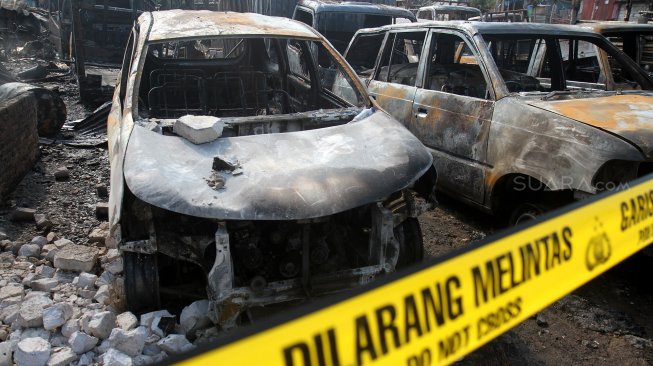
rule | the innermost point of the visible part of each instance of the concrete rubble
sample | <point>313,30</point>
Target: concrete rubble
<point>59,311</point>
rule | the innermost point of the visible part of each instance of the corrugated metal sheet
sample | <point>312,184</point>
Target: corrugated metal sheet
<point>282,8</point>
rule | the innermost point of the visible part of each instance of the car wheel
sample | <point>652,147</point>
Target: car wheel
<point>141,282</point>
<point>411,245</point>
<point>526,212</point>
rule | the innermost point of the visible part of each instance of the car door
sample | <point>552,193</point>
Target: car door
<point>452,111</point>
<point>393,82</point>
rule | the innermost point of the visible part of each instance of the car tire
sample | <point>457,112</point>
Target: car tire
<point>527,211</point>
<point>411,244</point>
<point>141,282</point>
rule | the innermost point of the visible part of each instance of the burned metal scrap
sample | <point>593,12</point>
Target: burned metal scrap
<point>303,187</point>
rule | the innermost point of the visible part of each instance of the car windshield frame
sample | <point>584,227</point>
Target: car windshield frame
<point>603,45</point>
<point>142,54</point>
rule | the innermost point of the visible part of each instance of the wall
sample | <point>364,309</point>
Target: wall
<point>18,140</point>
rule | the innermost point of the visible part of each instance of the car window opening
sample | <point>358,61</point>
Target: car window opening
<point>245,81</point>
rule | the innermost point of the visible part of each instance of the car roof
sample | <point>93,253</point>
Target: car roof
<point>451,8</point>
<point>616,26</point>
<point>173,24</point>
<point>493,28</point>
<point>356,7</point>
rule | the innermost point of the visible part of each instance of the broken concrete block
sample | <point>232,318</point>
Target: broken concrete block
<point>98,235</point>
<point>31,311</point>
<point>61,243</point>
<point>113,357</point>
<point>115,266</point>
<point>101,324</point>
<point>175,344</point>
<point>126,321</point>
<point>77,258</point>
<point>147,318</point>
<point>102,210</point>
<point>195,317</point>
<point>30,250</point>
<point>198,129</point>
<point>23,214</point>
<point>32,352</point>
<point>6,354</point>
<point>45,271</point>
<point>61,173</point>
<point>34,333</point>
<point>85,280</point>
<point>102,295</point>
<point>70,327</point>
<point>62,357</point>
<point>44,284</point>
<point>11,290</point>
<point>130,342</point>
<point>57,315</point>
<point>81,342</point>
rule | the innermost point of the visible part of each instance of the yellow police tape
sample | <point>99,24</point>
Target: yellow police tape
<point>436,314</point>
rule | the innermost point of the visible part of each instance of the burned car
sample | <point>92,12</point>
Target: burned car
<point>243,170</point>
<point>634,39</point>
<point>512,113</point>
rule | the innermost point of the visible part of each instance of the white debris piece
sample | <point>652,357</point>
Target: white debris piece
<point>44,284</point>
<point>113,357</point>
<point>147,318</point>
<point>30,314</point>
<point>85,280</point>
<point>102,295</point>
<point>78,258</point>
<point>81,342</point>
<point>11,290</point>
<point>62,357</point>
<point>195,317</point>
<point>175,344</point>
<point>198,129</point>
<point>32,352</point>
<point>70,327</point>
<point>101,324</point>
<point>6,354</point>
<point>127,321</point>
<point>56,315</point>
<point>130,342</point>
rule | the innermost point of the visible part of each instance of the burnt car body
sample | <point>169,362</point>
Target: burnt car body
<point>339,21</point>
<point>447,12</point>
<point>635,40</point>
<point>303,189</point>
<point>515,128</point>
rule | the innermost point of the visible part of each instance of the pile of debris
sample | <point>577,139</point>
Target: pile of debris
<point>55,309</point>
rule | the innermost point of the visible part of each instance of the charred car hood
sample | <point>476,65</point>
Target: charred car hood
<point>283,176</point>
<point>629,116</point>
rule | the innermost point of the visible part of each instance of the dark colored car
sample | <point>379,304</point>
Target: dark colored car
<point>339,21</point>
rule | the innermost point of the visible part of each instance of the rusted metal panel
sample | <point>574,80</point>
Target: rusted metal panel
<point>630,116</point>
<point>556,150</point>
<point>202,23</point>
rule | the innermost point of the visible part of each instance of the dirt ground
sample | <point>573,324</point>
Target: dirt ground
<point>606,322</point>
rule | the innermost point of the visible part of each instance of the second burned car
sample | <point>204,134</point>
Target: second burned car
<point>244,170</point>
<point>519,118</point>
